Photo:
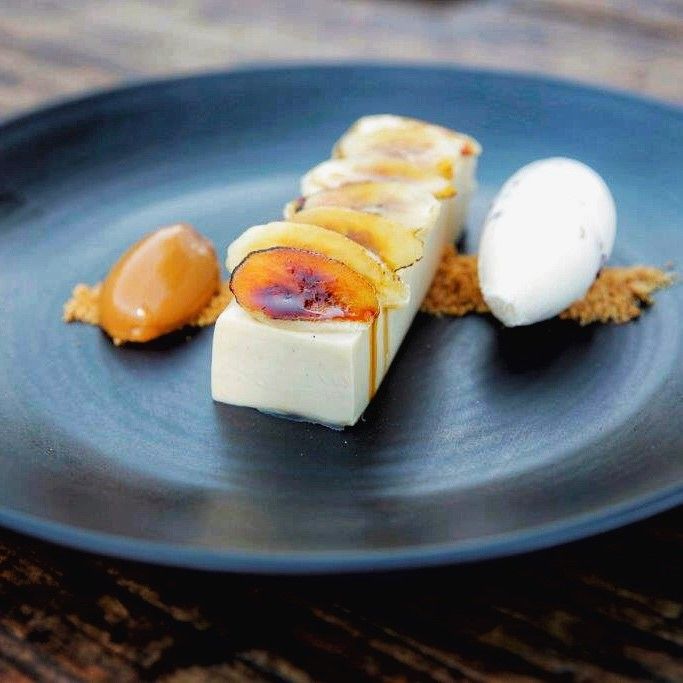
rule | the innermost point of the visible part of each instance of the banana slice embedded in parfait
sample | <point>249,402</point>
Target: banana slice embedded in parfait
<point>397,246</point>
<point>419,142</point>
<point>429,147</point>
<point>409,206</point>
<point>392,292</point>
<point>336,173</point>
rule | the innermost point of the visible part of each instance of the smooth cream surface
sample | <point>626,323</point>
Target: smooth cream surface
<point>319,373</point>
<point>326,373</point>
<point>549,231</point>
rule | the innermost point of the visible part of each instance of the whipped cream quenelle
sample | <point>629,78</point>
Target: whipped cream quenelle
<point>549,231</point>
<point>302,337</point>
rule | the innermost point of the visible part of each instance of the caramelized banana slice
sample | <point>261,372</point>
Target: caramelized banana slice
<point>283,283</point>
<point>395,245</point>
<point>335,173</point>
<point>391,291</point>
<point>409,206</point>
<point>399,137</point>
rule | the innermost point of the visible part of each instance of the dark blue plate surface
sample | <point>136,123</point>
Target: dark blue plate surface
<point>481,441</point>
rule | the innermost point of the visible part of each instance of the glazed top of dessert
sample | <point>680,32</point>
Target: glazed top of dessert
<point>424,144</point>
<point>285,283</point>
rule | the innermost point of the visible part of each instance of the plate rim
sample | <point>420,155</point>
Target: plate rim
<point>530,539</point>
<point>92,95</point>
<point>533,538</point>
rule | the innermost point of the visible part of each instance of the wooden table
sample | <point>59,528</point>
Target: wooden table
<point>610,608</point>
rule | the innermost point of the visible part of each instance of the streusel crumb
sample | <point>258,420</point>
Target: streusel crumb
<point>617,295</point>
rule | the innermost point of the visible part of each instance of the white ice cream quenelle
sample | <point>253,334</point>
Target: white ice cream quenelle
<point>548,233</point>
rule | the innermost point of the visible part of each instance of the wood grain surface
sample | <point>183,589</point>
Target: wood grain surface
<point>606,609</point>
<point>52,48</point>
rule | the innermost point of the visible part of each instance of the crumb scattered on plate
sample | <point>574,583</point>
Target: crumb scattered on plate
<point>84,305</point>
<point>215,307</point>
<point>455,288</point>
<point>617,295</point>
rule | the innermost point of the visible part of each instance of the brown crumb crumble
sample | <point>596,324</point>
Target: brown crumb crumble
<point>616,296</point>
<point>215,307</point>
<point>84,305</point>
<point>455,288</point>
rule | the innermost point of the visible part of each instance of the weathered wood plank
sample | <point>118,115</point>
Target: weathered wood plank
<point>51,50</point>
<point>610,608</point>
<point>606,609</point>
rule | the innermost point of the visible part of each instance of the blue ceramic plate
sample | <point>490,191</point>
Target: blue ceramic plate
<point>481,442</point>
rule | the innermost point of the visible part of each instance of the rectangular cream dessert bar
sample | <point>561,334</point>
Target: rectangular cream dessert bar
<point>381,234</point>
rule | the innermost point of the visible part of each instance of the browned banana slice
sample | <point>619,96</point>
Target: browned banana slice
<point>395,245</point>
<point>335,173</point>
<point>410,206</point>
<point>399,137</point>
<point>391,291</point>
<point>283,283</point>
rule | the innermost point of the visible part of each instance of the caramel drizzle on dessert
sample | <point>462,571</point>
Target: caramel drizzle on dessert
<point>372,378</point>
<point>385,336</point>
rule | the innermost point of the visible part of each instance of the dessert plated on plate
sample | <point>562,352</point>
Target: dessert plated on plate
<point>318,302</point>
<point>323,300</point>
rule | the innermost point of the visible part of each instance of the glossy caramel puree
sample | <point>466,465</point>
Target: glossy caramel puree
<point>160,284</point>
